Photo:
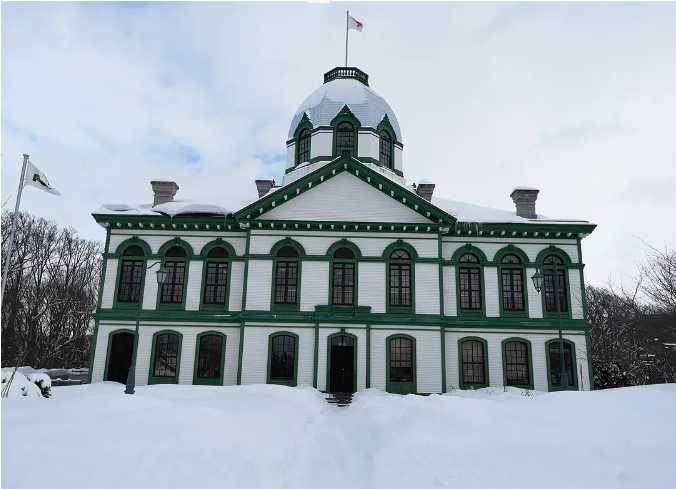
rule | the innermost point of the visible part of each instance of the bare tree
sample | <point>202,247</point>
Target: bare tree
<point>50,295</point>
<point>660,274</point>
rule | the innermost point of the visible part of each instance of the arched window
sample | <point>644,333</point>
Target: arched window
<point>132,268</point>
<point>386,150</point>
<point>166,358</point>
<point>401,365</point>
<point>511,280</point>
<point>282,369</point>
<point>473,363</point>
<point>469,272</point>
<point>553,266</point>
<point>209,361</point>
<point>556,382</point>
<point>175,264</point>
<point>304,141</point>
<point>286,276</point>
<point>216,277</point>
<point>343,277</point>
<point>345,139</point>
<point>400,279</point>
<point>517,370</point>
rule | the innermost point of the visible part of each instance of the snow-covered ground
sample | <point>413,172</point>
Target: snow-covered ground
<point>94,436</point>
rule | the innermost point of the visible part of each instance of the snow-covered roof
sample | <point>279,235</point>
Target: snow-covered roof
<point>174,208</point>
<point>325,103</point>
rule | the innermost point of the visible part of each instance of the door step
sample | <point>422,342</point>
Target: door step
<point>339,399</point>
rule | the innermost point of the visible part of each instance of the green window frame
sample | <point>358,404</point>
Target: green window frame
<point>553,364</point>
<point>286,276</point>
<point>470,284</point>
<point>400,280</point>
<point>130,276</point>
<point>344,277</point>
<point>401,356</point>
<point>209,358</point>
<point>176,256</point>
<point>283,358</point>
<point>165,358</point>
<point>304,146</point>
<point>386,150</point>
<point>216,279</point>
<point>345,133</point>
<point>517,363</point>
<point>473,362</point>
<point>512,281</point>
<point>548,297</point>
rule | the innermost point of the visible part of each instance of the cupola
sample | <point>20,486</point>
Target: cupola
<point>344,117</point>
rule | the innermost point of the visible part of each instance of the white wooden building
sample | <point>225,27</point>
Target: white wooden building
<point>344,277</point>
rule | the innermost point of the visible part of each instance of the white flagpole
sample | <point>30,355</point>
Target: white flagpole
<point>347,30</point>
<point>10,245</point>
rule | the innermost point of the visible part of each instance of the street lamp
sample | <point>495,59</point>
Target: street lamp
<point>161,276</point>
<point>538,283</point>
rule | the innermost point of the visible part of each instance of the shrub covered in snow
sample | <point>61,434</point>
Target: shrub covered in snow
<point>25,382</point>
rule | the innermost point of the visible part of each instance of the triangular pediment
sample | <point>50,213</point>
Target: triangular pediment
<point>345,191</point>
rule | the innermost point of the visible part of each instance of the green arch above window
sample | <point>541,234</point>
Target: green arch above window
<point>158,376</point>
<point>400,245</point>
<point>468,248</point>
<point>344,243</point>
<point>529,352</point>
<point>511,250</point>
<point>134,241</point>
<point>553,250</point>
<point>287,242</point>
<point>177,242</point>
<point>218,243</point>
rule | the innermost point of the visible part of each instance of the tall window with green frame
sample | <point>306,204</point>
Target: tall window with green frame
<point>282,358</point>
<point>400,293</point>
<point>343,272</point>
<point>286,276</point>
<point>517,371</point>
<point>216,277</point>
<point>554,360</point>
<point>175,265</point>
<point>304,142</point>
<point>166,355</point>
<point>511,279</point>
<point>131,275</point>
<point>469,272</point>
<point>549,278</point>
<point>473,363</point>
<point>386,150</point>
<point>209,357</point>
<point>345,139</point>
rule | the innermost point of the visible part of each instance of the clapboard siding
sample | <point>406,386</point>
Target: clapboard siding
<point>259,285</point>
<point>427,288</point>
<point>314,285</point>
<point>108,294</point>
<point>236,285</point>
<point>534,297</point>
<point>575,286</point>
<point>371,286</point>
<point>194,286</point>
<point>491,291</point>
<point>450,297</point>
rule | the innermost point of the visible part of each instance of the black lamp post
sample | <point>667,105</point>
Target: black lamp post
<point>161,276</point>
<point>538,283</point>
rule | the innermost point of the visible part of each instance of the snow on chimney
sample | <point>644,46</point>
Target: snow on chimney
<point>163,191</point>
<point>524,198</point>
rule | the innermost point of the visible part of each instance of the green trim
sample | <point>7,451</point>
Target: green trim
<point>110,342</point>
<point>343,243</point>
<point>294,381</point>
<point>513,250</point>
<point>243,308</point>
<point>286,242</point>
<point>368,356</point>
<point>529,351</point>
<point>590,363</point>
<point>315,358</point>
<point>240,354</point>
<point>462,313</point>
<point>461,382</point>
<point>286,259</point>
<point>441,313</point>
<point>385,125</point>
<point>181,243</point>
<point>355,354</point>
<point>387,253</point>
<point>567,314</point>
<point>216,243</point>
<point>471,249</point>
<point>346,115</point>
<point>102,274</point>
<point>215,307</point>
<point>553,250</point>
<point>218,381</point>
<point>186,276</point>
<point>345,308</point>
<point>304,123</point>
<point>585,310</point>
<point>165,380</point>
<point>401,245</point>
<point>401,387</point>
<point>574,385</point>
<point>133,241</point>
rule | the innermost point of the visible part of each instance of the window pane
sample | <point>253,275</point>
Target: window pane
<point>343,283</point>
<point>282,357</point>
<point>473,368</point>
<point>400,284</point>
<point>386,150</point>
<point>401,360</point>
<point>172,289</point>
<point>216,283</point>
<point>512,289</point>
<point>470,288</point>
<point>304,146</point>
<point>550,298</point>
<point>555,364</point>
<point>166,355</point>
<point>286,282</point>
<point>516,363</point>
<point>131,276</point>
<point>344,139</point>
<point>210,354</point>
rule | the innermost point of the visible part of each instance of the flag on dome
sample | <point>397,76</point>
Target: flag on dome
<point>353,23</point>
<point>38,179</point>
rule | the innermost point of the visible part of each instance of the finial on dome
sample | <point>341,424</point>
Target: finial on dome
<point>346,72</point>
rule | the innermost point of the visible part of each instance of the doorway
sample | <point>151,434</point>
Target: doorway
<point>119,356</point>
<point>342,360</point>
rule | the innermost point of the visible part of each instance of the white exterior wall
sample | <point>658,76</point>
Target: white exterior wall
<point>194,286</point>
<point>575,286</point>
<point>398,158</point>
<point>450,297</point>
<point>426,288</point>
<point>371,285</point>
<point>491,292</point>
<point>188,345</point>
<point>255,354</point>
<point>534,297</point>
<point>494,343</point>
<point>368,145</point>
<point>428,357</point>
<point>150,289</point>
<point>290,155</point>
<point>109,283</point>
<point>314,284</point>
<point>236,285</point>
<point>321,144</point>
<point>259,285</point>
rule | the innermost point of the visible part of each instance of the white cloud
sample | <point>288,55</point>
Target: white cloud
<point>577,100</point>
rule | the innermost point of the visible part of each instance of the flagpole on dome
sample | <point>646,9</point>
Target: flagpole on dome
<point>347,30</point>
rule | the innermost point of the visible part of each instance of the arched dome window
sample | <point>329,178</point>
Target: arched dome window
<point>304,141</point>
<point>386,150</point>
<point>345,139</point>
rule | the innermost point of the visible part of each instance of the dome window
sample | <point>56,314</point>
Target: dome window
<point>304,141</point>
<point>345,139</point>
<point>386,159</point>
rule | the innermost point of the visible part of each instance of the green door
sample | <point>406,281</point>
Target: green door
<point>401,364</point>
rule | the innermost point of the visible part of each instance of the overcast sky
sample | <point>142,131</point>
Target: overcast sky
<point>578,100</point>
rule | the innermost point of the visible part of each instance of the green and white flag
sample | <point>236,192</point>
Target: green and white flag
<point>38,179</point>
